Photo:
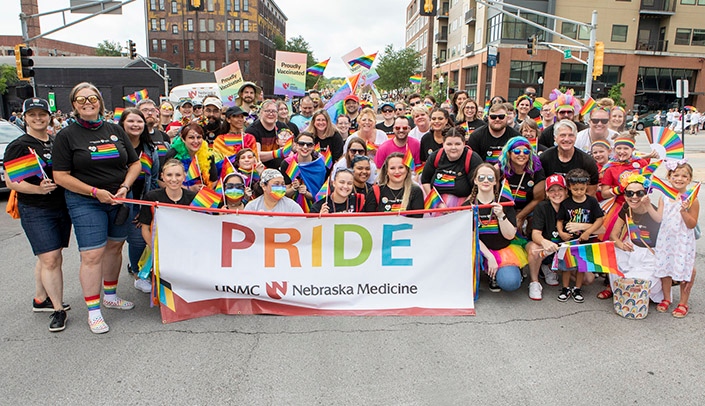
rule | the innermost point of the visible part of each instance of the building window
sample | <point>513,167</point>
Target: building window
<point>162,24</point>
<point>204,65</point>
<point>154,25</point>
<point>189,25</point>
<point>153,5</point>
<point>698,37</point>
<point>155,45</point>
<point>246,26</point>
<point>190,45</point>
<point>683,36</point>
<point>175,49</point>
<point>229,25</point>
<point>569,30</point>
<point>245,46</point>
<point>688,2</point>
<point>211,45</point>
<point>522,74</point>
<point>174,29</point>
<point>211,25</point>
<point>246,66</point>
<point>202,24</point>
<point>619,33</point>
<point>237,45</point>
<point>174,7</point>
<point>211,66</point>
<point>209,6</point>
<point>191,63</point>
<point>663,79</point>
<point>237,25</point>
<point>203,46</point>
<point>163,45</point>
<point>161,5</point>
<point>236,5</point>
<point>245,5</point>
<point>471,81</point>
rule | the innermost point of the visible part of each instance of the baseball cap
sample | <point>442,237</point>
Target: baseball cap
<point>35,103</point>
<point>213,101</point>
<point>234,111</point>
<point>386,104</point>
<point>183,101</point>
<point>351,97</point>
<point>555,180</point>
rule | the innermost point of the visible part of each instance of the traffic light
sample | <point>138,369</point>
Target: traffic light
<point>530,43</point>
<point>599,59</point>
<point>195,5</point>
<point>132,48</point>
<point>24,62</point>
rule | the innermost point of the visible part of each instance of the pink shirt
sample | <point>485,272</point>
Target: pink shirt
<point>389,146</point>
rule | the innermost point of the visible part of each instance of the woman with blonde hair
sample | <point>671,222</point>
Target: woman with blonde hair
<point>396,190</point>
<point>325,134</point>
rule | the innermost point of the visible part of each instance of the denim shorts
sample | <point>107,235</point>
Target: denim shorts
<point>94,222</point>
<point>46,229</point>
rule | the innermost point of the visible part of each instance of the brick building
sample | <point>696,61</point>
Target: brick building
<point>219,32</point>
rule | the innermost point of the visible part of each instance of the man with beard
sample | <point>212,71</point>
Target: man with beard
<point>352,110</point>
<point>567,108</point>
<point>212,122</point>
<point>303,118</point>
<point>159,138</point>
<point>530,91</point>
<point>247,98</point>
<point>489,140</point>
<point>266,130</point>
<point>316,99</point>
<point>400,143</point>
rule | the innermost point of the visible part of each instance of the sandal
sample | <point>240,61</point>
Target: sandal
<point>663,306</point>
<point>605,294</point>
<point>680,311</point>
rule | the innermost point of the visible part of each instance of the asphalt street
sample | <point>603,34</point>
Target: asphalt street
<point>515,351</point>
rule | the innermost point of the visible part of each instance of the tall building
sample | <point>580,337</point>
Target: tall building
<point>649,44</point>
<point>209,34</point>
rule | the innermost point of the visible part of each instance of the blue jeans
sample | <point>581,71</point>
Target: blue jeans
<point>135,242</point>
<point>94,222</point>
<point>46,229</point>
<point>508,278</point>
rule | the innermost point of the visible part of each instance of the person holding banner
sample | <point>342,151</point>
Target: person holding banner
<point>273,199</point>
<point>189,146</point>
<point>234,192</point>
<point>43,213</point>
<point>343,198</point>
<point>326,135</point>
<point>95,162</point>
<point>362,173</point>
<point>304,171</point>
<point>396,191</point>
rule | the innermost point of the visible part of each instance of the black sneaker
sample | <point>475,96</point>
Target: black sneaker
<point>46,306</point>
<point>58,321</point>
<point>564,295</point>
<point>493,286</point>
<point>578,295</point>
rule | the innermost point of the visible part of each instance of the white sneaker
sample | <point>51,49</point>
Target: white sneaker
<point>143,285</point>
<point>550,275</point>
<point>535,290</point>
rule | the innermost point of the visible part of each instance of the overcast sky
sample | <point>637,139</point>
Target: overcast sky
<point>332,27</point>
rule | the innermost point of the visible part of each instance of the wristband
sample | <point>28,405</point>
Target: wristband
<point>616,191</point>
<point>278,153</point>
<point>94,192</point>
<point>125,186</point>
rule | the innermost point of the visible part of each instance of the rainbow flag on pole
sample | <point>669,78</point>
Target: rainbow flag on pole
<point>323,191</point>
<point>193,174</point>
<point>207,198</point>
<point>136,96</point>
<point>24,167</point>
<point>692,193</point>
<point>318,69</point>
<point>415,79</point>
<point>365,61</point>
<point>293,170</point>
<point>327,157</point>
<point>409,160</point>
<point>588,106</point>
<point>597,257</point>
<point>506,192</point>
<point>146,162</point>
<point>668,190</point>
<point>432,200</point>
<point>117,113</point>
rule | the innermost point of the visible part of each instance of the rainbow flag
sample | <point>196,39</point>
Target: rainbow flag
<point>464,126</point>
<point>419,168</point>
<point>193,173</point>
<point>444,181</point>
<point>636,234</point>
<point>322,192</point>
<point>23,167</point>
<point>486,111</point>
<point>588,106</point>
<point>162,150</point>
<point>520,196</point>
<point>506,192</point>
<point>533,143</point>
<point>293,170</point>
<point>327,157</point>
<point>668,190</point>
<point>318,69</point>
<point>538,104</point>
<point>649,169</point>
<point>692,193</point>
<point>365,61</point>
<point>415,79</point>
<point>490,227</point>
<point>409,160</point>
<point>136,96</point>
<point>372,147</point>
<point>105,151</point>
<point>146,162</point>
<point>206,197</point>
<point>117,113</point>
<point>303,202</point>
<point>288,147</point>
<point>219,187</point>
<point>226,168</point>
<point>539,123</point>
<point>232,140</point>
<point>432,200</point>
<point>597,257</point>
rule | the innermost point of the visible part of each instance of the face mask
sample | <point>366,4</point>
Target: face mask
<point>234,194</point>
<point>278,191</point>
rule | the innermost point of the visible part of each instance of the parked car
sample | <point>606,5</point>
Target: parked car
<point>643,122</point>
<point>641,108</point>
<point>8,132</point>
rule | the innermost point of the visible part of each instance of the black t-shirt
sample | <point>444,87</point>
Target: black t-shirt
<point>334,143</point>
<point>488,228</point>
<point>428,145</point>
<point>97,157</point>
<point>487,146</point>
<point>524,193</point>
<point>472,125</point>
<point>389,130</point>
<point>648,227</point>
<point>348,206</point>
<point>159,195</point>
<point>161,142</point>
<point>547,137</point>
<point>19,148</point>
<point>545,221</point>
<point>390,200</point>
<point>267,140</point>
<point>552,165</point>
<point>450,177</point>
<point>586,212</point>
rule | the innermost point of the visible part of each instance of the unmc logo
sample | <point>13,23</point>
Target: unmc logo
<point>276,290</point>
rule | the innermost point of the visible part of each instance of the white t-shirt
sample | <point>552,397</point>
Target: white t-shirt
<point>380,138</point>
<point>416,133</point>
<point>285,205</point>
<point>584,143</point>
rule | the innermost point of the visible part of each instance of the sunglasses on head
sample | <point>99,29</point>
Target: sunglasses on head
<point>578,180</point>
<point>498,116</point>
<point>518,151</point>
<point>304,144</point>
<point>632,193</point>
<point>482,178</point>
<point>599,120</point>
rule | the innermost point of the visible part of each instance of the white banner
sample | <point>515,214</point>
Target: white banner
<point>350,265</point>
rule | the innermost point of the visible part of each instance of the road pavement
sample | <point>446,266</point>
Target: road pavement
<point>515,351</point>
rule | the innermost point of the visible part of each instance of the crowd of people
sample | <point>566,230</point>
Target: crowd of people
<point>560,169</point>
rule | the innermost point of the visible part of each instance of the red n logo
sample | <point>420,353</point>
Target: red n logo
<point>276,290</point>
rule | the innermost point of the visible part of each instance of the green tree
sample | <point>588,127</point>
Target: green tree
<point>279,43</point>
<point>395,67</point>
<point>8,76</point>
<point>109,48</point>
<point>615,94</point>
<point>299,44</point>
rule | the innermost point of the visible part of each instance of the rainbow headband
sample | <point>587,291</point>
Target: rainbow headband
<point>624,141</point>
<point>636,178</point>
<point>601,143</point>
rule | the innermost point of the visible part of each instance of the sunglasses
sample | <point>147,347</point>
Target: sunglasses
<point>414,104</point>
<point>93,99</point>
<point>387,111</point>
<point>498,116</point>
<point>482,178</point>
<point>599,120</point>
<point>518,151</point>
<point>406,127</point>
<point>632,193</point>
<point>400,109</point>
<point>234,186</point>
<point>578,180</point>
<point>530,94</point>
<point>167,107</point>
<point>566,112</point>
<point>357,151</point>
<point>305,144</point>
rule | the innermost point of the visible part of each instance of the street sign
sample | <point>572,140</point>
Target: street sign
<point>567,54</point>
<point>491,60</point>
<point>51,98</point>
<point>95,6</point>
<point>155,67</point>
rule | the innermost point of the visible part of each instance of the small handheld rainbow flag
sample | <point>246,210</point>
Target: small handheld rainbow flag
<point>318,69</point>
<point>588,106</point>
<point>206,197</point>
<point>506,192</point>
<point>432,200</point>
<point>136,96</point>
<point>327,157</point>
<point>691,194</point>
<point>539,123</point>
<point>323,191</point>
<point>293,170</point>
<point>486,111</point>
<point>371,147</point>
<point>303,202</point>
<point>597,257</point>
<point>117,113</point>
<point>365,61</point>
<point>288,147</point>
<point>146,162</point>
<point>23,167</point>
<point>668,190</point>
<point>633,229</point>
<point>227,168</point>
<point>649,169</point>
<point>419,168</point>
<point>193,174</point>
<point>409,160</point>
<point>415,79</point>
